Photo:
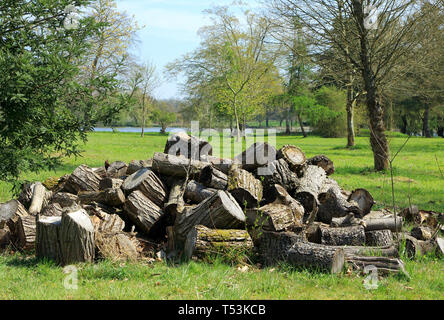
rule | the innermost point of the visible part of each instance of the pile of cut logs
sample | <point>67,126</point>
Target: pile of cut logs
<point>276,204</point>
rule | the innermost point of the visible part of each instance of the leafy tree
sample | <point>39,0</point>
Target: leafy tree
<point>162,116</point>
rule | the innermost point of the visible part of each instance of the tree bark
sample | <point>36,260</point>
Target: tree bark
<point>364,200</point>
<point>324,162</point>
<point>38,197</point>
<point>175,204</point>
<point>116,246</point>
<point>110,183</point>
<point>181,144</point>
<point>82,179</point>
<point>244,187</point>
<point>350,116</point>
<point>197,193</point>
<point>346,236</point>
<point>257,155</point>
<point>278,195</point>
<point>110,197</point>
<point>147,182</point>
<point>383,224</point>
<point>273,217</point>
<point>416,248</point>
<point>77,238</point>
<point>379,238</point>
<point>426,127</point>
<point>65,199</point>
<point>47,243</point>
<point>117,169</point>
<point>213,178</point>
<point>279,174</point>
<point>202,241</point>
<point>179,167</point>
<point>143,212</point>
<point>295,158</point>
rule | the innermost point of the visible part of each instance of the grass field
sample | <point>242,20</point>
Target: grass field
<point>417,176</point>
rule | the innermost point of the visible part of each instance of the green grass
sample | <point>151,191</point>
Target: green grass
<point>22,277</point>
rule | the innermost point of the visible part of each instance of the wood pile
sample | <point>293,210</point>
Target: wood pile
<point>191,204</point>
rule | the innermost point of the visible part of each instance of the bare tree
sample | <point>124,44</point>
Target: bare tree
<point>379,27</point>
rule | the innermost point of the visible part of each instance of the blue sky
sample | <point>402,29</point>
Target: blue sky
<point>170,31</point>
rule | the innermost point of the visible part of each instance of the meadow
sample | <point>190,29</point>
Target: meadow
<point>418,179</point>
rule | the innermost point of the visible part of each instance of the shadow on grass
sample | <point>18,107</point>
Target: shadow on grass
<point>28,262</point>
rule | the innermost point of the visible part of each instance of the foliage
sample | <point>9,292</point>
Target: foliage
<point>162,116</point>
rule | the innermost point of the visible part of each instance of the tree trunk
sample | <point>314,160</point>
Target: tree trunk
<point>301,124</point>
<point>350,122</point>
<point>175,204</point>
<point>143,212</point>
<point>244,187</point>
<point>287,122</point>
<point>77,238</point>
<point>220,211</point>
<point>147,182</point>
<point>202,241</point>
<point>426,128</point>
<point>347,236</point>
<point>378,139</point>
<point>278,195</point>
<point>441,132</point>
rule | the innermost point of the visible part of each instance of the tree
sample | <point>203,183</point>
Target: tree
<point>162,116</point>
<point>382,46</point>
<point>232,60</point>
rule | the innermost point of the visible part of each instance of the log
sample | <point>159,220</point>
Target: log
<point>11,209</point>
<point>25,196</point>
<point>280,174</point>
<point>347,221</point>
<point>65,199</point>
<point>116,169</point>
<point>423,233</point>
<point>47,243</point>
<point>323,162</point>
<point>347,236</point>
<point>309,188</point>
<point>202,241</point>
<point>332,204</point>
<point>295,158</point>
<point>278,195</point>
<point>379,238</point>
<point>76,236</point>
<point>12,214</point>
<point>110,183</point>
<point>101,172</point>
<point>52,210</point>
<point>197,193</point>
<point>220,211</point>
<point>82,179</point>
<point>417,248</point>
<point>213,178</point>
<point>440,246</point>
<point>179,167</point>
<point>38,197</point>
<point>143,212</point>
<point>137,165</point>
<point>272,217</point>
<point>257,155</point>
<point>107,223</point>
<point>5,238</point>
<point>175,204</point>
<point>244,187</point>
<point>147,182</point>
<point>273,247</point>
<point>320,257</point>
<point>384,265</point>
<point>110,197</point>
<point>29,232</point>
<point>364,200</point>
<point>181,144</point>
<point>223,165</point>
<point>383,224</point>
<point>116,246</point>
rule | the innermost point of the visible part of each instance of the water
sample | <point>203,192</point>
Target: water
<point>134,129</point>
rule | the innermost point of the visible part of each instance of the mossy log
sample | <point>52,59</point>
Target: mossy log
<point>323,162</point>
<point>147,182</point>
<point>347,236</point>
<point>244,187</point>
<point>202,241</point>
<point>220,211</point>
<point>82,179</point>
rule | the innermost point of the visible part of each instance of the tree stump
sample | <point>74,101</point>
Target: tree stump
<point>82,179</point>
<point>47,243</point>
<point>143,212</point>
<point>147,182</point>
<point>77,238</point>
<point>244,187</point>
<point>202,241</point>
